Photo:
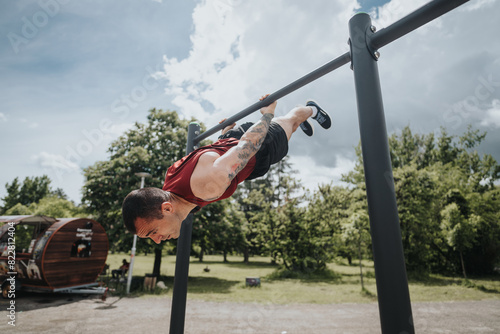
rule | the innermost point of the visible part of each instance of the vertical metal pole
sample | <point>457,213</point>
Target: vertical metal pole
<point>134,243</point>
<point>131,265</point>
<point>178,311</point>
<point>390,271</point>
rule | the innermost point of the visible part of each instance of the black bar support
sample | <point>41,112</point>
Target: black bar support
<point>179,296</point>
<point>390,271</point>
<point>308,78</point>
<point>392,283</point>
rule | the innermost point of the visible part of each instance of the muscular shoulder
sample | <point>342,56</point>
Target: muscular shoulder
<point>208,158</point>
<point>207,181</point>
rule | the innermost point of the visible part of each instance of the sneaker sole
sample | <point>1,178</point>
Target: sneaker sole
<point>307,127</point>
<point>322,114</point>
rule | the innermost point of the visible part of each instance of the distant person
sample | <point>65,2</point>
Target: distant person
<point>212,173</point>
<point>117,273</point>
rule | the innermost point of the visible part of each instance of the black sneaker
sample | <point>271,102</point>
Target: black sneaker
<point>321,117</point>
<point>307,127</point>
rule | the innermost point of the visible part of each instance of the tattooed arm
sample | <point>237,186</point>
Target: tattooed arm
<point>214,173</point>
<point>237,157</point>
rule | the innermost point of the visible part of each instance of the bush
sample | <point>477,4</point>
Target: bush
<point>324,274</point>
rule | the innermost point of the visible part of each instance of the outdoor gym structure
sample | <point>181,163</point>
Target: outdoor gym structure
<point>390,272</point>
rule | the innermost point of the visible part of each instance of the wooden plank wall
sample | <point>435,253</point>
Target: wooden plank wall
<point>60,269</point>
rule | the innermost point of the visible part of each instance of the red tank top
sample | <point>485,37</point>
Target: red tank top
<point>177,179</point>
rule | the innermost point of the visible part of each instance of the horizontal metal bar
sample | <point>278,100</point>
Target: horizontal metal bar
<point>414,20</point>
<point>319,72</point>
<point>67,289</point>
<point>96,291</point>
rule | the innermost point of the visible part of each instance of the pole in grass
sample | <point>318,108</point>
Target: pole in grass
<point>142,175</point>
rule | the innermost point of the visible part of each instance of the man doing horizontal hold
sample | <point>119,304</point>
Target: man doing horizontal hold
<point>212,173</point>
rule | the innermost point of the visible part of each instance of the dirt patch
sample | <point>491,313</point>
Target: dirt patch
<point>75,314</point>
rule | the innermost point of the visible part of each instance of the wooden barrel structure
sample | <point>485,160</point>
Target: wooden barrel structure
<point>53,253</point>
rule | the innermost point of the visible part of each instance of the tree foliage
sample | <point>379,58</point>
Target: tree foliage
<point>432,173</point>
<point>356,237</point>
<point>35,196</point>
<point>278,224</point>
<point>441,183</point>
<point>30,191</point>
<point>51,206</point>
<point>218,228</point>
<point>459,231</point>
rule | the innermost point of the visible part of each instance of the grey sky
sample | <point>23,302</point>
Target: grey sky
<point>77,74</point>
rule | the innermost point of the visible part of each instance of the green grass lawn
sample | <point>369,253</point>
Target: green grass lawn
<point>226,282</point>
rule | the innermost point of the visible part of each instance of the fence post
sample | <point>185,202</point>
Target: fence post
<point>178,311</point>
<point>390,272</point>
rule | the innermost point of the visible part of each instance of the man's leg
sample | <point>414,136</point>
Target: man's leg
<point>275,145</point>
<point>299,116</point>
<point>291,121</point>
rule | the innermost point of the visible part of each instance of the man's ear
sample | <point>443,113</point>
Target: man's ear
<point>167,207</point>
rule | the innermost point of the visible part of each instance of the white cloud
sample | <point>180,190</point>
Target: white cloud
<point>474,5</point>
<point>492,117</point>
<point>31,125</point>
<point>241,51</point>
<point>3,118</point>
<point>311,174</point>
<point>116,130</point>
<point>216,50</point>
<point>394,10</point>
<point>54,161</point>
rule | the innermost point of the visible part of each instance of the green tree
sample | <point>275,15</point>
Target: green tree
<point>484,255</point>
<point>356,237</point>
<point>427,171</point>
<point>231,237</point>
<point>257,213</point>
<point>259,199</point>
<point>13,194</point>
<point>277,223</point>
<point>18,209</point>
<point>31,190</point>
<point>218,228</point>
<point>460,231</point>
<point>425,150</point>
<point>151,148</point>
<point>295,245</point>
<point>327,213</point>
<point>416,198</point>
<point>51,206</point>
<point>54,206</point>
<point>300,240</point>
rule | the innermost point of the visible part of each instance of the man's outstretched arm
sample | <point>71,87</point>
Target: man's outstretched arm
<point>214,173</point>
<point>237,157</point>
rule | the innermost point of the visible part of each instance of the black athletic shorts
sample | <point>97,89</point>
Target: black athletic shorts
<point>273,149</point>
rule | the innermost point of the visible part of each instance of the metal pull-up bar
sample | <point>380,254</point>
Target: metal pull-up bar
<point>308,78</point>
<point>390,271</point>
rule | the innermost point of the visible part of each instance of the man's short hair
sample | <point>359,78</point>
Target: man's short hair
<point>143,203</point>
